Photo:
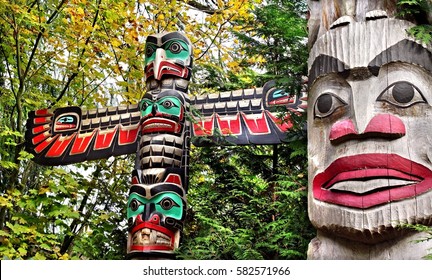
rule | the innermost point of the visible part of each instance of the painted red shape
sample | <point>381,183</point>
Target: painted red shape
<point>256,125</point>
<point>60,145</point>
<point>43,112</point>
<point>81,143</point>
<point>371,166</point>
<point>39,129</point>
<point>135,180</point>
<point>283,125</point>
<point>174,179</point>
<point>41,120</point>
<point>341,129</point>
<point>387,124</point>
<point>229,126</point>
<point>204,127</point>
<point>128,135</point>
<point>104,140</point>
<point>39,138</point>
<point>39,148</point>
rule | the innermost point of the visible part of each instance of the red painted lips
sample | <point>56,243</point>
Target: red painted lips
<point>368,170</point>
<point>166,68</point>
<point>148,236</point>
<point>153,125</point>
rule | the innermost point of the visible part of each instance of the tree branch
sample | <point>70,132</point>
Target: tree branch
<point>71,77</point>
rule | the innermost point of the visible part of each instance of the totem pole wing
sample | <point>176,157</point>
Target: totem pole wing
<point>71,134</point>
<point>244,117</point>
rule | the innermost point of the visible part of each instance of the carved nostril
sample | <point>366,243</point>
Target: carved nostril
<point>342,129</point>
<point>155,219</point>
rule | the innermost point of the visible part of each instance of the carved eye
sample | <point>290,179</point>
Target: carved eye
<point>167,203</point>
<point>168,104</point>
<point>175,48</point>
<point>149,51</point>
<point>144,105</point>
<point>326,104</point>
<point>134,204</point>
<point>402,94</point>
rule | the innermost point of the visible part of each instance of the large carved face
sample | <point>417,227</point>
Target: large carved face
<point>370,130</point>
<point>155,216</point>
<point>168,55</point>
<point>163,112</point>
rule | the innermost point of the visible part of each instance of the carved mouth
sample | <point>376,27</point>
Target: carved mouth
<point>167,68</point>
<point>152,125</point>
<point>148,237</point>
<point>367,180</point>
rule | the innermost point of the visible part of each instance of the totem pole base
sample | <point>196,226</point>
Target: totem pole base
<point>150,256</point>
<point>408,247</point>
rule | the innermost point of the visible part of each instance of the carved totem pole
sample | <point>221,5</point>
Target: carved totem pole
<point>369,132</point>
<point>158,130</point>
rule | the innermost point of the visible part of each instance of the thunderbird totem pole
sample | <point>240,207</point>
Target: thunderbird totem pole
<point>369,132</point>
<point>158,130</point>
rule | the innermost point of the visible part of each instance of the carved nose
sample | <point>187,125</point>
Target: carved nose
<point>380,126</point>
<point>160,56</point>
<point>154,109</point>
<point>155,219</point>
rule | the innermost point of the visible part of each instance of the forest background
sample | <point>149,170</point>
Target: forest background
<point>245,202</point>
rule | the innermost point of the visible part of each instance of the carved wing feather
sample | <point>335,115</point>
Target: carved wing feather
<point>244,117</point>
<point>71,134</point>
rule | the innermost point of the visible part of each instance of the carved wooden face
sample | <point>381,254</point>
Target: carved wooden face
<point>370,130</point>
<point>163,112</point>
<point>155,216</point>
<point>168,55</point>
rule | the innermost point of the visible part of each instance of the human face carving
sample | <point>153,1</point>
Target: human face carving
<point>155,216</point>
<point>370,145</point>
<point>163,112</point>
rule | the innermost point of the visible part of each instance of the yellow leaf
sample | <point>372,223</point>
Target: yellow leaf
<point>115,42</point>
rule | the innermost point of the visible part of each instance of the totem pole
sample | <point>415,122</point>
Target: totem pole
<point>369,132</point>
<point>158,130</point>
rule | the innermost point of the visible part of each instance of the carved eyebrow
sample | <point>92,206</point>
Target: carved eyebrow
<point>151,39</point>
<point>173,35</point>
<point>404,51</point>
<point>167,187</point>
<point>325,64</point>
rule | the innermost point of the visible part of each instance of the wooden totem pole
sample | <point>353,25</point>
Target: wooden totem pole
<point>158,130</point>
<point>369,132</point>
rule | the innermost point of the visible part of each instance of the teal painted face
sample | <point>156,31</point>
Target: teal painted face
<point>175,49</point>
<point>169,106</point>
<point>163,113</point>
<point>166,204</point>
<point>156,214</point>
<point>168,55</point>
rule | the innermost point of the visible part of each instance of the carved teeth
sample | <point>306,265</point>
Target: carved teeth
<point>148,236</point>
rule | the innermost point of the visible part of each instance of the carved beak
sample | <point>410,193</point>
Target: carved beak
<point>157,64</point>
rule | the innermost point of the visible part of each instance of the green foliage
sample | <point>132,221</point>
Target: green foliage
<point>418,12</point>
<point>279,37</point>
<point>239,209</point>
<point>422,33</point>
<point>425,229</point>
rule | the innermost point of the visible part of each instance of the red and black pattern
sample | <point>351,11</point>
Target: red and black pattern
<point>70,135</point>
<point>244,117</point>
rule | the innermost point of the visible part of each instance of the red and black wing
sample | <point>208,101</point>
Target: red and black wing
<point>246,116</point>
<point>71,134</point>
